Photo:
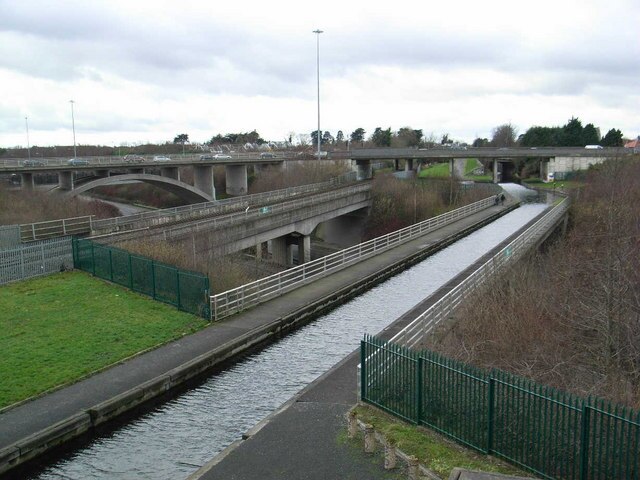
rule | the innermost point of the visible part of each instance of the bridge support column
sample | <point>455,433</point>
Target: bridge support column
<point>262,250</point>
<point>396,165</point>
<point>281,251</point>
<point>363,171</point>
<point>496,171</point>
<point>65,180</point>
<point>304,249</point>
<point>408,164</point>
<point>236,176</point>
<point>170,172</point>
<point>26,180</point>
<point>203,179</point>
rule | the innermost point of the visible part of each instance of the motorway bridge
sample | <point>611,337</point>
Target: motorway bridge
<point>164,171</point>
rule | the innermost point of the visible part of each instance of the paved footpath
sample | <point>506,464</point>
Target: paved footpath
<point>16,424</point>
<point>303,439</point>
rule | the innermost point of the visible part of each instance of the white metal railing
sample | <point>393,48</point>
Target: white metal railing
<point>313,205</point>
<point>414,333</point>
<point>87,224</point>
<point>215,207</point>
<point>254,293</point>
<point>55,228</point>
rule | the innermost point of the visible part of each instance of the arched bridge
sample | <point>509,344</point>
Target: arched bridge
<point>186,192</point>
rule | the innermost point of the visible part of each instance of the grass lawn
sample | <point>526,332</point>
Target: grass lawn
<point>439,170</point>
<point>470,165</point>
<point>60,328</point>
<point>432,450</point>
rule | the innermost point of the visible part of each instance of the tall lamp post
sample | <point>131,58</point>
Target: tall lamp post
<point>73,126</point>
<point>318,32</point>
<point>26,122</point>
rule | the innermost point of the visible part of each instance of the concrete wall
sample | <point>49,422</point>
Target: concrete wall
<point>557,168</point>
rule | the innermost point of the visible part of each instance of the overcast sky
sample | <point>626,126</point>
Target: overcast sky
<point>143,71</point>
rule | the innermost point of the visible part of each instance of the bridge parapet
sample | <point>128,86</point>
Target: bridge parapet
<point>238,299</point>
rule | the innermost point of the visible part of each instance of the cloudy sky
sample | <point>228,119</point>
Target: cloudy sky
<point>143,71</point>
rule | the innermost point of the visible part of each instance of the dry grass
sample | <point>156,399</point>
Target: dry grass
<point>569,317</point>
<point>29,206</point>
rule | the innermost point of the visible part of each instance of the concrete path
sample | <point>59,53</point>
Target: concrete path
<point>303,439</point>
<point>33,418</point>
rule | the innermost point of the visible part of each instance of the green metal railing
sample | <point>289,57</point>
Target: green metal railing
<point>551,433</point>
<point>186,290</point>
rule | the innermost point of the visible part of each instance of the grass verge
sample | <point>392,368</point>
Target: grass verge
<point>432,450</point>
<point>438,170</point>
<point>60,328</point>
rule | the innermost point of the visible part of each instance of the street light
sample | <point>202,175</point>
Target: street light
<point>73,126</point>
<point>318,32</point>
<point>26,122</point>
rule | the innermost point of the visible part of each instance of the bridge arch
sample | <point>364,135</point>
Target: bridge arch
<point>186,192</point>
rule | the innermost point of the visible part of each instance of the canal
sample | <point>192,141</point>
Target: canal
<point>175,438</point>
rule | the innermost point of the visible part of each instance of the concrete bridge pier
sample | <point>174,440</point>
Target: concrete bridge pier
<point>236,176</point>
<point>396,164</point>
<point>65,180</point>
<point>281,251</point>
<point>203,179</point>
<point>304,249</point>
<point>262,250</point>
<point>26,180</point>
<point>408,164</point>
<point>496,171</point>
<point>363,169</point>
<point>170,172</point>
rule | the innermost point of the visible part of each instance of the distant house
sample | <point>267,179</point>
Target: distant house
<point>635,144</point>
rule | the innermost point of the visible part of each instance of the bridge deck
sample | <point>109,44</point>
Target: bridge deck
<point>33,418</point>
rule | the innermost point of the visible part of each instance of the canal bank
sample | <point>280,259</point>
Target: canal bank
<point>32,428</point>
<point>302,438</point>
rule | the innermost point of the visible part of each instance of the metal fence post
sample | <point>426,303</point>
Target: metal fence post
<point>153,279</point>
<point>93,260</point>
<point>584,441</point>
<point>110,265</point>
<point>178,289</point>
<point>363,374</point>
<point>419,390</point>
<point>490,414</point>
<point>130,272</point>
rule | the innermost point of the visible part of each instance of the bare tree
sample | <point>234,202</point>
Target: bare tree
<point>504,136</point>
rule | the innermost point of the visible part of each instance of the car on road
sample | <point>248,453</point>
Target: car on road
<point>133,159</point>
<point>161,158</point>
<point>33,163</point>
<point>207,156</point>
<point>221,156</point>
<point>267,155</point>
<point>78,161</point>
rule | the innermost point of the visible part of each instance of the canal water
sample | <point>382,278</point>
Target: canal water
<point>177,437</point>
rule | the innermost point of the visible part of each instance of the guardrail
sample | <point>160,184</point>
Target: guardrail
<point>147,160</point>
<point>413,334</point>
<point>82,225</point>
<point>251,294</point>
<point>55,228</point>
<point>315,203</point>
<point>217,206</point>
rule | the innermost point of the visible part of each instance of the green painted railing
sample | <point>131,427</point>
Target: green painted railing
<point>551,433</point>
<point>186,290</point>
